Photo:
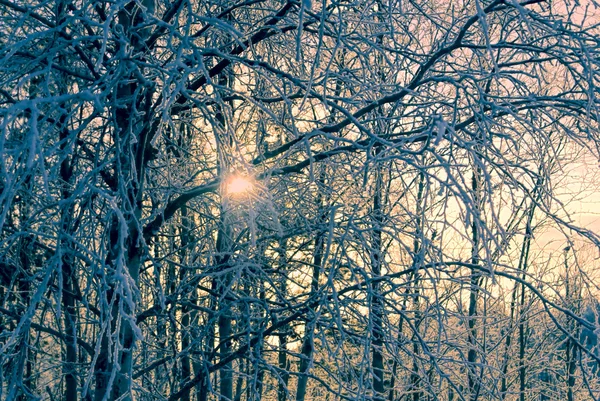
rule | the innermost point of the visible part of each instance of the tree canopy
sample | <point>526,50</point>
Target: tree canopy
<point>298,200</point>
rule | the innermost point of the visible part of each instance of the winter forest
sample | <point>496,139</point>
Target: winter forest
<point>294,200</point>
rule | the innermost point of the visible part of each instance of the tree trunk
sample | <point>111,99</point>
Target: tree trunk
<point>377,308</point>
<point>186,311</point>
<point>307,350</point>
<point>523,265</point>
<point>472,379</point>
<point>64,247</point>
<point>415,376</point>
<point>115,376</point>
<point>69,316</point>
<point>282,360</point>
<point>573,296</point>
<point>224,282</point>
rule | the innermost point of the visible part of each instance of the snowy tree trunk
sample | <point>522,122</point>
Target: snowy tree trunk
<point>282,354</point>
<point>187,314</point>
<point>307,349</point>
<point>377,302</point>
<point>69,280</point>
<point>224,282</point>
<point>472,375</point>
<point>115,373</point>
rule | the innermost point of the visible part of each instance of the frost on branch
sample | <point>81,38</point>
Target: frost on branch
<point>299,200</point>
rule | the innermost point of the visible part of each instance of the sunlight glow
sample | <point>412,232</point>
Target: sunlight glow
<point>238,185</point>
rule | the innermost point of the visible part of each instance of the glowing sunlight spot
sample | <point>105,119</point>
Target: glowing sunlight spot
<point>239,185</point>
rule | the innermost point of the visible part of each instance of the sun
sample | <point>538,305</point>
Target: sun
<point>238,185</point>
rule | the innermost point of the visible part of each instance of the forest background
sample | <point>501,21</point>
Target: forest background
<point>296,200</point>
